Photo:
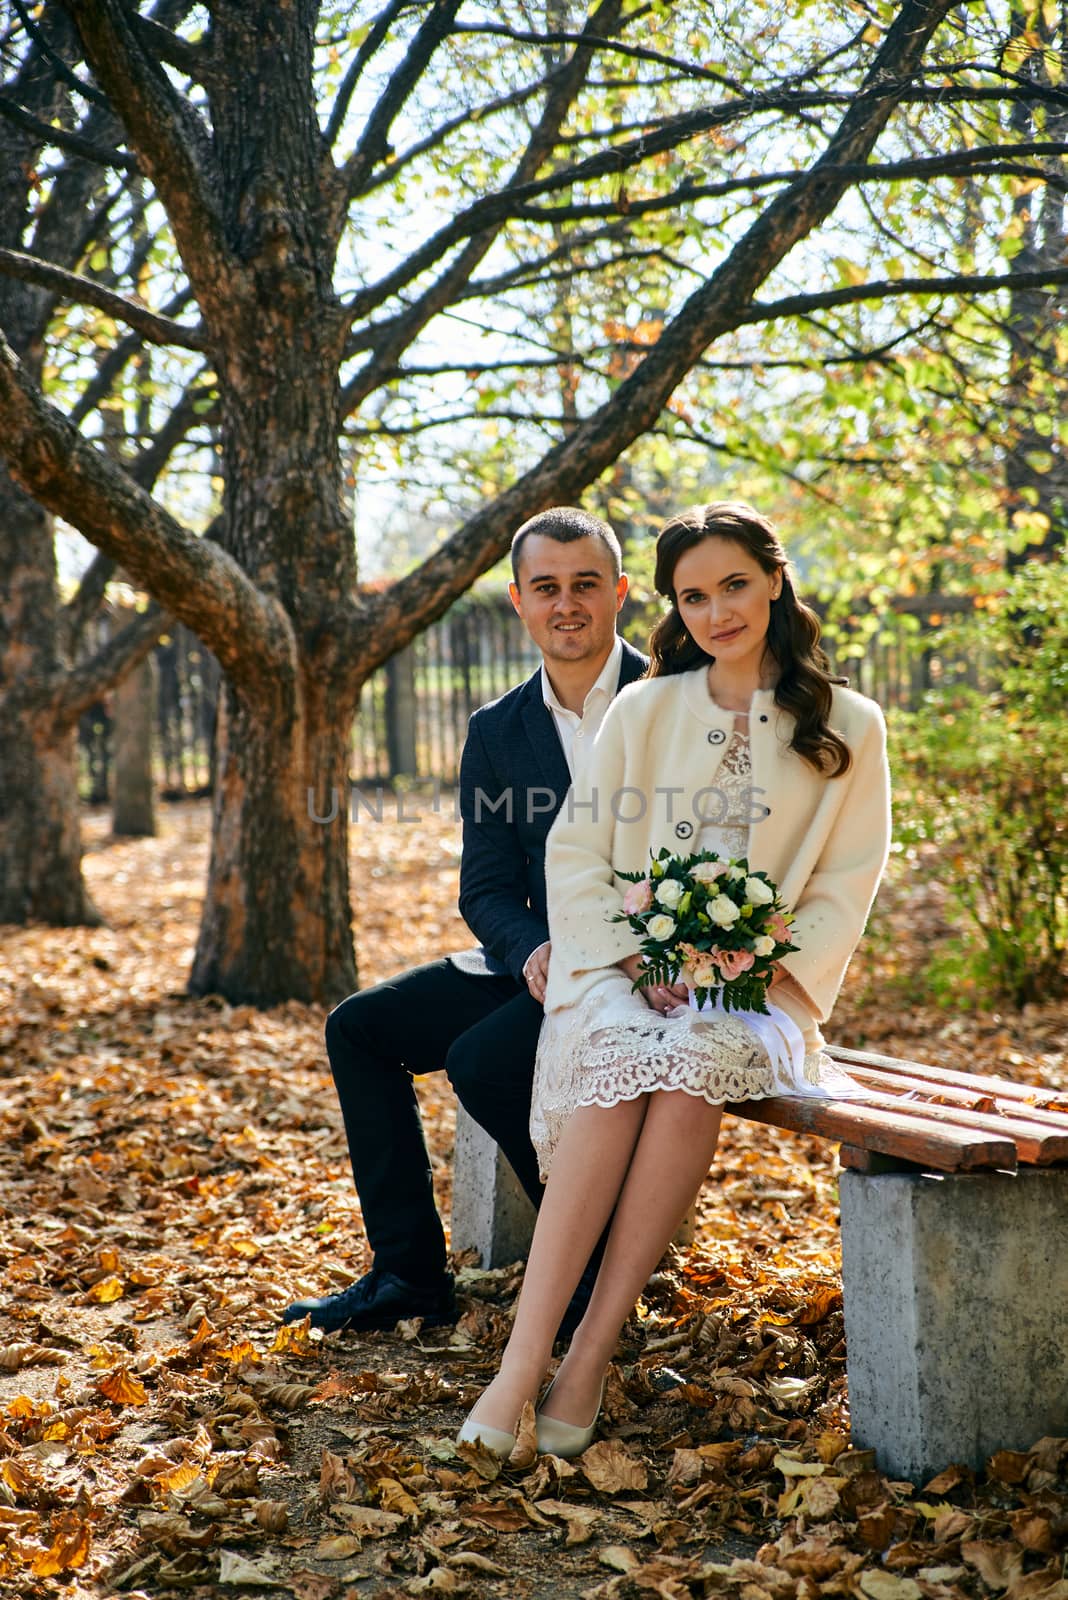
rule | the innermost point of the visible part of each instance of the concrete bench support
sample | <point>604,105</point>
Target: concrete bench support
<point>955,1296</point>
<point>490,1212</point>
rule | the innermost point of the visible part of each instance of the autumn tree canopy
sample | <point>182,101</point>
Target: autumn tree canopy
<point>432,217</point>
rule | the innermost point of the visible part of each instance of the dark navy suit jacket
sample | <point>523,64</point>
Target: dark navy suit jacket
<point>513,780</point>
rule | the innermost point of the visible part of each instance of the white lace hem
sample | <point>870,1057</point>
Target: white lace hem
<point>611,1047</point>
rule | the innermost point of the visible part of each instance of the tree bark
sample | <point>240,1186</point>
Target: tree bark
<point>133,792</point>
<point>277,918</point>
<point>40,840</point>
<point>40,843</point>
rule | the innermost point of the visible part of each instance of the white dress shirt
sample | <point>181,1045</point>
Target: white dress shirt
<point>577,732</point>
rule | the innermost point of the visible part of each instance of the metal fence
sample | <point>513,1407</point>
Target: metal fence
<point>413,713</point>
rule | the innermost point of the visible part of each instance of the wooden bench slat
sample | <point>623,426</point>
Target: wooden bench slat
<point>1037,1144</point>
<point>890,1132</point>
<point>998,1088</point>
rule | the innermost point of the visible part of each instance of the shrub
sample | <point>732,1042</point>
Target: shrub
<point>985,777</point>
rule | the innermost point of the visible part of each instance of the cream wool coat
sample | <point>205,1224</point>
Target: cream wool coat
<point>650,782</point>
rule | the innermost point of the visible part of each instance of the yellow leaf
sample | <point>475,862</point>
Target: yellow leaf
<point>394,1497</point>
<point>791,1467</point>
<point>180,1478</point>
<point>107,1290</point>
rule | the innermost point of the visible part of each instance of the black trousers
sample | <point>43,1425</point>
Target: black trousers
<point>482,1031</point>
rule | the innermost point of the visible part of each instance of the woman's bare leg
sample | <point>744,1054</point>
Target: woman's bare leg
<point>673,1153</point>
<point>588,1171</point>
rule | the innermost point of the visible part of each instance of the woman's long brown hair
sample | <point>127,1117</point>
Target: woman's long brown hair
<point>804,685</point>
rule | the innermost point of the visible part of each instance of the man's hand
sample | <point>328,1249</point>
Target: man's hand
<point>536,971</point>
<point>662,997</point>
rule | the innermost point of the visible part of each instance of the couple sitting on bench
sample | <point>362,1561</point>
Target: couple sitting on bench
<point>607,1098</point>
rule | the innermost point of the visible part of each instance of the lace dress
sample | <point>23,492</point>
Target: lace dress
<point>613,1047</point>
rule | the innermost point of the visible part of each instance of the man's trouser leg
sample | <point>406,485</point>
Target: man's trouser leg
<point>491,1067</point>
<point>376,1040</point>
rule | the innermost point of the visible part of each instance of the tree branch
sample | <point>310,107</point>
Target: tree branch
<point>509,202</point>
<point>84,291</point>
<point>80,687</point>
<point>962,283</point>
<point>85,600</point>
<point>63,71</point>
<point>47,134</point>
<point>370,47</point>
<point>564,86</point>
<point>193,578</point>
<point>374,144</point>
<point>444,131</point>
<point>173,149</point>
<point>171,47</point>
<point>635,52</point>
<point>716,307</point>
<point>114,360</point>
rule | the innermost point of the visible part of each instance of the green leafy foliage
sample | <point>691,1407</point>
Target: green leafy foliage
<point>984,776</point>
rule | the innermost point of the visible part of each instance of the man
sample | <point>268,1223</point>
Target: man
<point>478,1014</point>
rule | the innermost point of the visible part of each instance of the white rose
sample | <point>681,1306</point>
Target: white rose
<point>757,892</point>
<point>764,945</point>
<point>669,893</point>
<point>734,873</point>
<point>723,911</point>
<point>708,871</point>
<point>660,926</point>
<point>705,977</point>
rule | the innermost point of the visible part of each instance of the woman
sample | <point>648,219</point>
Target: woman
<point>740,742</point>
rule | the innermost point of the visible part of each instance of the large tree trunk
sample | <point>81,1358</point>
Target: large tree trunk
<point>40,843</point>
<point>276,922</point>
<point>277,919</point>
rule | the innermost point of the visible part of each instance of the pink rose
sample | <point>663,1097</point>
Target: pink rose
<point>778,929</point>
<point>638,898</point>
<point>732,963</point>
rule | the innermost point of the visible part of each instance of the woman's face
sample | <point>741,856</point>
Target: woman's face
<point>724,598</point>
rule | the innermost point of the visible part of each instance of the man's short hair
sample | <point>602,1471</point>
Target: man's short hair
<point>566,524</point>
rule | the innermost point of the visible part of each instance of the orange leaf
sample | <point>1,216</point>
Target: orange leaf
<point>122,1387</point>
<point>68,1550</point>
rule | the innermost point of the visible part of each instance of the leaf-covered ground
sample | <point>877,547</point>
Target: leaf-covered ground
<point>174,1173</point>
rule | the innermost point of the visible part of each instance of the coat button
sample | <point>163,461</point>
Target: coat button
<point>763,718</point>
<point>716,736</point>
<point>683,830</point>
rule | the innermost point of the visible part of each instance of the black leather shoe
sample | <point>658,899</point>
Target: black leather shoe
<point>378,1301</point>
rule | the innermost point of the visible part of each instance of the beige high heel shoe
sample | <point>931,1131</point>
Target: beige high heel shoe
<point>559,1438</point>
<point>502,1444</point>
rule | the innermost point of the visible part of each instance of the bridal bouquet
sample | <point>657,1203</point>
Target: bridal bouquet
<point>710,922</point>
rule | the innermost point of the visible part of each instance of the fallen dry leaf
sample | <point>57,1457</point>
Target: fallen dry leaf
<point>184,1166</point>
<point>610,1467</point>
<point>68,1551</point>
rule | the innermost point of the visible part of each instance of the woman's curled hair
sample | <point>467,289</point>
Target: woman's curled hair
<point>804,681</point>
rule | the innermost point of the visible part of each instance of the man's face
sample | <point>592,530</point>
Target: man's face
<point>568,597</point>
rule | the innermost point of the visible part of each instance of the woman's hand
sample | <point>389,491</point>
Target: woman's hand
<point>660,997</point>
